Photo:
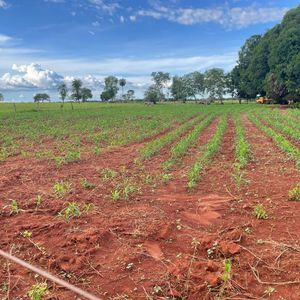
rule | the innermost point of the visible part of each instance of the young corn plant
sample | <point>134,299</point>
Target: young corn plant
<point>61,188</point>
<point>260,212</point>
<point>242,152</point>
<point>211,148</point>
<point>282,143</point>
<point>156,145</point>
<point>72,210</point>
<point>294,193</point>
<point>38,291</point>
<point>180,149</point>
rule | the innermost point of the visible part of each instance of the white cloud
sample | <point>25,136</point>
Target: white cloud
<point>122,19</point>
<point>3,4</point>
<point>225,16</point>
<point>30,76</point>
<point>107,6</point>
<point>4,38</point>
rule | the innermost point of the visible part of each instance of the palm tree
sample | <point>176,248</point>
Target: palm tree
<point>122,83</point>
<point>76,89</point>
<point>63,91</point>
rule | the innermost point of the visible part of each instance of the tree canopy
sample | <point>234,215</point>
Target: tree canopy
<point>270,64</point>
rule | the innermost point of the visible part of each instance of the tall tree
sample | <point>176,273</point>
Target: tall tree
<point>215,82</point>
<point>76,89</point>
<point>160,80</point>
<point>63,92</point>
<point>178,90</point>
<point>122,83</point>
<point>1,97</point>
<point>111,87</point>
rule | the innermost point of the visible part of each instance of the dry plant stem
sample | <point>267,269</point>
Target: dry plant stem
<point>48,276</point>
<point>256,275</point>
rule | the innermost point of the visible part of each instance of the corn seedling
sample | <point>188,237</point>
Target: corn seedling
<point>108,174</point>
<point>260,212</point>
<point>211,148</point>
<point>38,291</point>
<point>14,207</point>
<point>86,184</point>
<point>116,194</point>
<point>294,194</point>
<point>72,210</point>
<point>39,200</point>
<point>61,188</point>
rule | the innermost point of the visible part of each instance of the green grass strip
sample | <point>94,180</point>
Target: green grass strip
<point>154,147</point>
<point>180,149</point>
<point>211,148</point>
<point>281,142</point>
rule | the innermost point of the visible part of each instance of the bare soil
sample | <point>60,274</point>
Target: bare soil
<point>165,241</point>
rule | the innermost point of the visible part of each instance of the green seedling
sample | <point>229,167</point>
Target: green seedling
<point>86,184</point>
<point>115,195</point>
<point>38,291</point>
<point>61,188</point>
<point>108,174</point>
<point>294,194</point>
<point>260,212</point>
<point>72,210</point>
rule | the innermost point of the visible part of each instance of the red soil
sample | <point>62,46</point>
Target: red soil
<point>165,241</point>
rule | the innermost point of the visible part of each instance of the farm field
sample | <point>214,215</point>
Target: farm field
<point>169,201</point>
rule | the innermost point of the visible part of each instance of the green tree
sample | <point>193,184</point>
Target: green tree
<point>63,92</point>
<point>275,88</point>
<point>41,97</point>
<point>177,89</point>
<point>160,80</point>
<point>111,87</point>
<point>76,90</point>
<point>153,94</point>
<point>129,95</point>
<point>1,97</point>
<point>122,83</point>
<point>86,94</point>
<point>215,82</point>
<point>105,96</point>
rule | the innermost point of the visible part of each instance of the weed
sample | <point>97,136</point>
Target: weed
<point>38,291</point>
<point>26,234</point>
<point>294,194</point>
<point>260,212</point>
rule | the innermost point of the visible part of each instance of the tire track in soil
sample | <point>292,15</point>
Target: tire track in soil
<point>270,175</point>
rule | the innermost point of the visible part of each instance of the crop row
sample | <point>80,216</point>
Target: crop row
<point>281,141</point>
<point>242,150</point>
<point>153,147</point>
<point>285,125</point>
<point>211,148</point>
<point>180,149</point>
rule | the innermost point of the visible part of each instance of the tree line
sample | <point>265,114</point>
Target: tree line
<point>269,64</point>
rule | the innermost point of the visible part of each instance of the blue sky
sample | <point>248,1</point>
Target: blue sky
<point>45,42</point>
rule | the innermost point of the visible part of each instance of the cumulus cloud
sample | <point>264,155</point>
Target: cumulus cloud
<point>225,16</point>
<point>30,76</point>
